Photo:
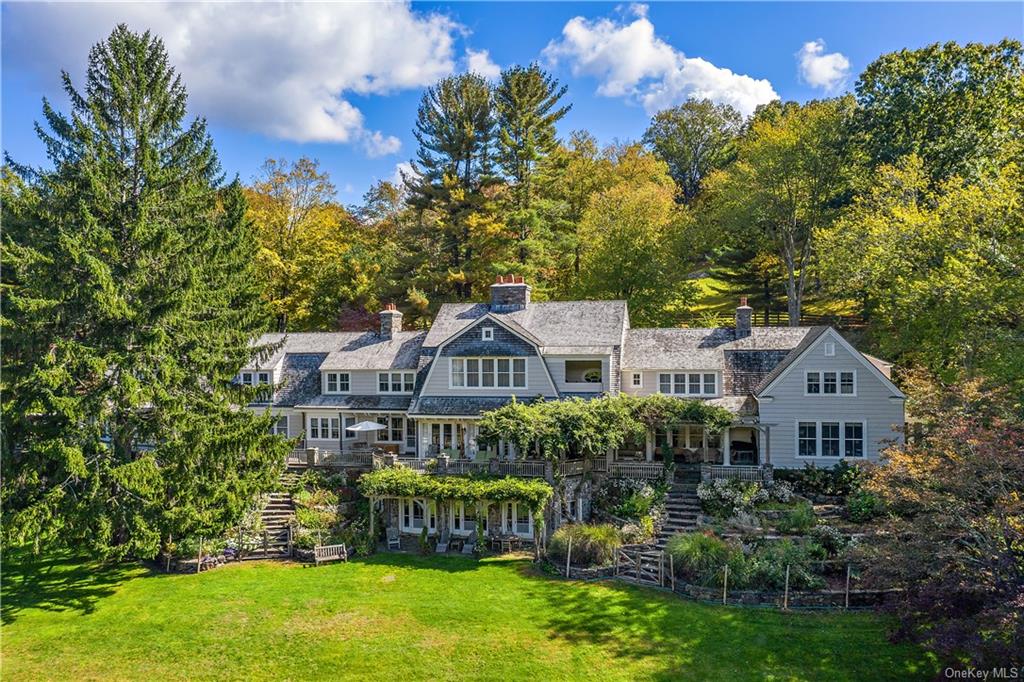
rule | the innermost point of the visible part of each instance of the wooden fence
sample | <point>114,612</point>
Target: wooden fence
<point>780,318</point>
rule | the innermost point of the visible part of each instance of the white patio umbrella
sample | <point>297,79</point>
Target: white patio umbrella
<point>366,426</point>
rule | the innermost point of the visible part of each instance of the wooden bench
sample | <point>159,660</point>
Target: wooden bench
<point>329,553</point>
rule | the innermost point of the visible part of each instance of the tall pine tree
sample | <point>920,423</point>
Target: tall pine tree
<point>526,102</point>
<point>130,304</point>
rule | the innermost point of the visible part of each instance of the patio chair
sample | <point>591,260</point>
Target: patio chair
<point>493,538</point>
<point>470,544</point>
<point>442,544</point>
<point>394,542</point>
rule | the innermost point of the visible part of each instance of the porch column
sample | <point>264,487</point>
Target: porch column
<point>726,458</point>
<point>767,447</point>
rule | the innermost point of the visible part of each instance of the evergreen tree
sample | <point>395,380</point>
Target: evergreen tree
<point>131,301</point>
<point>526,103</point>
<point>453,189</point>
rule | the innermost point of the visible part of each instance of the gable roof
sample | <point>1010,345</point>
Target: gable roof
<point>791,359</point>
<point>564,325</point>
<point>702,348</point>
<point>297,342</point>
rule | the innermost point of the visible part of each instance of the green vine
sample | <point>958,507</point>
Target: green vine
<point>402,482</point>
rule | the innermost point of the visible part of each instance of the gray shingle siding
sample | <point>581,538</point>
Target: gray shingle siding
<point>471,343</point>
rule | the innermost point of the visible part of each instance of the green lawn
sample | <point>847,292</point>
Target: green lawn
<point>400,617</point>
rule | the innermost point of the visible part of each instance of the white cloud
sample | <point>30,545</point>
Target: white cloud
<point>284,70</point>
<point>479,62</point>
<point>821,70</point>
<point>403,168</point>
<point>630,61</point>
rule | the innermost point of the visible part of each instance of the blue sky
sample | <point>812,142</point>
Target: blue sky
<point>341,82</point>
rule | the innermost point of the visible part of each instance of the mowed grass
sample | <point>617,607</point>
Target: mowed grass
<point>399,617</point>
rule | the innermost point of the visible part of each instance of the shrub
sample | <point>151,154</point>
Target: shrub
<point>864,506</point>
<point>840,480</point>
<point>592,545</point>
<point>831,539</point>
<point>628,498</point>
<point>725,497</point>
<point>797,521</point>
<point>316,518</point>
<point>767,567</point>
<point>702,557</point>
<point>636,533</point>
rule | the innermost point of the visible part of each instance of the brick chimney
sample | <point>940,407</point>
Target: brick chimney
<point>390,321</point>
<point>744,315</point>
<point>509,293</point>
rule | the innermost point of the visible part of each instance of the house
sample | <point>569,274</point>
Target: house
<point>798,394</point>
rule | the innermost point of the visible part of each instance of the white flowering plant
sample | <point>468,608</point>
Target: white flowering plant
<point>726,497</point>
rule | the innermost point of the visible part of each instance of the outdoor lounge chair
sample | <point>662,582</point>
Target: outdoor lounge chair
<point>442,544</point>
<point>393,539</point>
<point>470,544</point>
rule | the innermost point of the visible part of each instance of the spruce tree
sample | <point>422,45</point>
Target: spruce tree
<point>130,303</point>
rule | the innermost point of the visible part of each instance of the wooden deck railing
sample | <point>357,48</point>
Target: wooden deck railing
<point>644,470</point>
<point>462,467</point>
<point>573,467</point>
<point>743,473</point>
<point>527,468</point>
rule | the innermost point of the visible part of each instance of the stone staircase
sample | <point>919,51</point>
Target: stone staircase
<point>682,507</point>
<point>276,516</point>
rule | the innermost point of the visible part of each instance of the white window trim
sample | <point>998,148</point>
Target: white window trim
<point>830,349</point>
<point>686,383</point>
<point>633,380</point>
<point>511,372</point>
<point>428,517</point>
<point>513,507</point>
<point>405,374</point>
<point>287,425</point>
<point>338,392</point>
<point>487,333</point>
<point>592,384</point>
<point>320,436</point>
<point>839,383</point>
<point>817,436</point>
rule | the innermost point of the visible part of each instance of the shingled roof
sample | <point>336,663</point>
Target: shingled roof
<point>372,351</point>
<point>558,325</point>
<point>702,348</point>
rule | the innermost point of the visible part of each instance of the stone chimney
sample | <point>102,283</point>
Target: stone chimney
<point>509,293</point>
<point>390,321</point>
<point>744,315</point>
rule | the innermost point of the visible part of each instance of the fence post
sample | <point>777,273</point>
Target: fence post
<point>785,596</point>
<point>568,557</point>
<point>266,543</point>
<point>725,584</point>
<point>199,557</point>
<point>672,572</point>
<point>846,604</point>
<point>638,568</point>
<point>239,542</point>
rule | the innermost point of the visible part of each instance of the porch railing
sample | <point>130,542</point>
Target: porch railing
<point>462,467</point>
<point>527,468</point>
<point>413,463</point>
<point>572,467</point>
<point>743,473</point>
<point>644,470</point>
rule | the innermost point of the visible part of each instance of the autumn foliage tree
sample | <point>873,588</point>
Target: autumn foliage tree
<point>953,540</point>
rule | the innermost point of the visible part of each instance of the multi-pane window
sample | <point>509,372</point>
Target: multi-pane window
<point>807,439</point>
<point>410,433</point>
<point>830,439</point>
<point>280,427</point>
<point>831,383</point>
<point>337,382</point>
<point>347,422</point>
<point>638,380</point>
<point>396,382</point>
<point>324,428</point>
<point>397,430</point>
<point>854,439</point>
<point>488,372</point>
<point>258,379</point>
<point>688,384</point>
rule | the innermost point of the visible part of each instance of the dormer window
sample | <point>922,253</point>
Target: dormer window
<point>258,379</point>
<point>337,382</point>
<point>487,333</point>
<point>396,382</point>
